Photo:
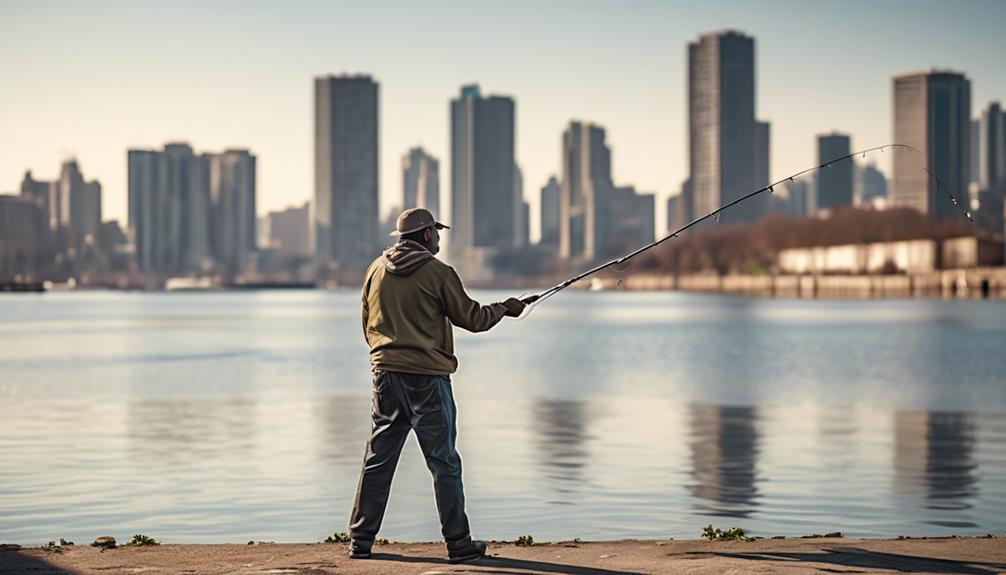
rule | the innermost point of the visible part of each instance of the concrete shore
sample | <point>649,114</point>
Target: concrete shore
<point>955,283</point>
<point>974,555</point>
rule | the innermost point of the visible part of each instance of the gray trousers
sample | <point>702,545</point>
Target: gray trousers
<point>424,403</point>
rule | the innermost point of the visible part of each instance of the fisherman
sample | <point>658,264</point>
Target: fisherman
<point>410,299</point>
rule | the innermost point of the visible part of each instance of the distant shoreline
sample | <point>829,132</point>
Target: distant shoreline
<point>971,283</point>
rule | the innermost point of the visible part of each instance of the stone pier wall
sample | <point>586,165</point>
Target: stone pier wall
<point>968,283</point>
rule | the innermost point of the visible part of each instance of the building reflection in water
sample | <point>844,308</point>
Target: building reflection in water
<point>173,432</point>
<point>560,432</point>
<point>344,421</point>
<point>724,450</point>
<point>836,433</point>
<point>934,458</point>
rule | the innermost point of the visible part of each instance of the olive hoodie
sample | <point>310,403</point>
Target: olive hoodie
<point>410,299</point>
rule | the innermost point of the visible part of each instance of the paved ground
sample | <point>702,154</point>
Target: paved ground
<point>785,556</point>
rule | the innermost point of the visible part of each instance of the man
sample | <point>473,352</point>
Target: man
<point>410,299</point>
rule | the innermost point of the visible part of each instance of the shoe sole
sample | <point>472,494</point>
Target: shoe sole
<point>466,558</point>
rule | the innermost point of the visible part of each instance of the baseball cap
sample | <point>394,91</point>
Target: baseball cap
<point>415,219</point>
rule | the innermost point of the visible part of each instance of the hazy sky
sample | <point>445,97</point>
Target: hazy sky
<point>92,79</point>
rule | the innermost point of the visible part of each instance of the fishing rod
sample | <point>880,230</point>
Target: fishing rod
<point>533,301</point>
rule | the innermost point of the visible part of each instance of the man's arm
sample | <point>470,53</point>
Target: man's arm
<point>467,313</point>
<point>365,306</point>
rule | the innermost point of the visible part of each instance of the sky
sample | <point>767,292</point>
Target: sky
<point>93,79</point>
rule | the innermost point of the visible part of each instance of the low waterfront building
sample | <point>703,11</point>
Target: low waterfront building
<point>910,256</point>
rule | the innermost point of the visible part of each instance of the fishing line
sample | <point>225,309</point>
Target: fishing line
<point>535,300</point>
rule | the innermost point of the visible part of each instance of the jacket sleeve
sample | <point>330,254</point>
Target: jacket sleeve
<point>465,312</point>
<point>365,307</point>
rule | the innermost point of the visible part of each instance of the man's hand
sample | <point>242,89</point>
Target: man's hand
<point>514,307</point>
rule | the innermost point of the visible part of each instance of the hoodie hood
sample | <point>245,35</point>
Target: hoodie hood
<point>405,257</point>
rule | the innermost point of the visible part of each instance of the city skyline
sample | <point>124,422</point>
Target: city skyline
<point>260,100</point>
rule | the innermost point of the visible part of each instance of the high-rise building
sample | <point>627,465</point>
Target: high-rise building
<point>46,194</point>
<point>148,212</point>
<point>346,171</point>
<point>389,220</point>
<point>483,202</point>
<point>287,231</point>
<point>232,194</point>
<point>78,207</point>
<point>24,230</point>
<point>800,201</point>
<point>932,112</point>
<point>871,185</point>
<point>763,155</point>
<point>586,178</point>
<point>186,182</point>
<point>834,182</point>
<point>991,181</point>
<point>71,207</point>
<point>170,209</point>
<point>973,163</point>
<point>629,221</point>
<point>679,209</point>
<point>672,207</point>
<point>188,211</point>
<point>421,181</point>
<point>550,213</point>
<point>991,150</point>
<point>524,235</point>
<point>723,157</point>
<point>521,233</point>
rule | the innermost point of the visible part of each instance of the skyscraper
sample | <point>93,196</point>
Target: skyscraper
<point>763,156</point>
<point>800,200</point>
<point>187,198</point>
<point>187,211</point>
<point>421,181</point>
<point>672,206</point>
<point>586,177</point>
<point>287,231</point>
<point>991,149</point>
<point>524,233</point>
<point>871,183</point>
<point>46,194</point>
<point>24,230</point>
<point>148,212</point>
<point>723,158</point>
<point>835,182</point>
<point>78,207</point>
<point>991,153</point>
<point>973,163</point>
<point>550,213</point>
<point>483,203</point>
<point>520,226</point>
<point>678,206</point>
<point>232,194</point>
<point>932,112</point>
<point>629,221</point>
<point>345,170</point>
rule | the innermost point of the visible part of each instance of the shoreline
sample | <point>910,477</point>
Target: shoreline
<point>625,557</point>
<point>958,283</point>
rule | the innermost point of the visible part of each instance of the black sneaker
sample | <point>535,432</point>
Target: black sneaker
<point>465,550</point>
<point>359,550</point>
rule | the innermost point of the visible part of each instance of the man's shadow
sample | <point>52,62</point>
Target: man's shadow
<point>507,566</point>
<point>871,561</point>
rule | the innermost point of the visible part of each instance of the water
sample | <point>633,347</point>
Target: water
<point>225,417</point>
